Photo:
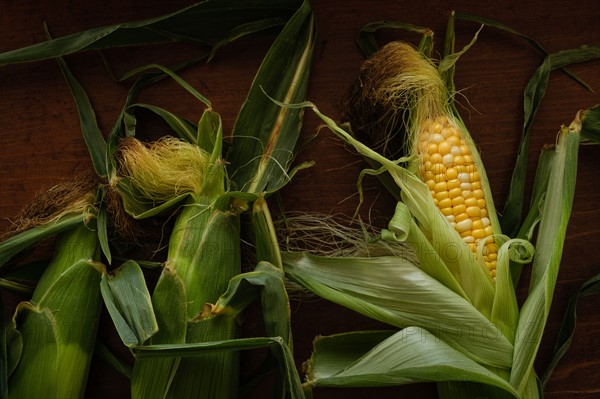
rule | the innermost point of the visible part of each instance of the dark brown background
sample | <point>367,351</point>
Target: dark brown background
<point>40,141</point>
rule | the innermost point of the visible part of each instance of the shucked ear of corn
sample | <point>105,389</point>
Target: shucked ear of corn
<point>446,217</point>
<point>51,337</point>
<point>402,103</point>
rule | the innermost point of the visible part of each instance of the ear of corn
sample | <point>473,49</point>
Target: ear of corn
<point>58,326</point>
<point>203,256</point>
<point>400,80</point>
<point>204,247</point>
<point>470,272</point>
<point>204,251</point>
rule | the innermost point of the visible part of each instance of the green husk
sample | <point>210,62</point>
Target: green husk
<point>549,244</point>
<point>365,359</point>
<point>58,326</point>
<point>372,286</point>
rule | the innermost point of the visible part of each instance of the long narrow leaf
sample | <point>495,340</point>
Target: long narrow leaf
<point>3,354</point>
<point>87,118</point>
<point>368,45</point>
<point>265,135</point>
<point>265,281</point>
<point>181,126</point>
<point>21,241</point>
<point>533,95</point>
<point>212,23</point>
<point>590,124</point>
<point>567,327</point>
<point>540,186</point>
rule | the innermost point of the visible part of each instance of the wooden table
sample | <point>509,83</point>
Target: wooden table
<point>40,141</point>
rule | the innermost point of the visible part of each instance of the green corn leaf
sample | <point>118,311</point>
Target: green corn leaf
<point>368,45</point>
<point>194,349</point>
<point>549,244</point>
<point>220,370</point>
<point>404,228</point>
<point>265,281</point>
<point>39,333</point>
<point>540,186</point>
<point>208,23</point>
<point>590,125</point>
<point>173,76</point>
<point>569,322</point>
<point>505,312</point>
<point>533,95</point>
<point>446,65</point>
<point>102,226</point>
<point>449,45</point>
<point>209,131</point>
<point>501,26</point>
<point>180,126</point>
<point>21,241</point>
<point>3,353</point>
<point>397,292</point>
<point>128,301</point>
<point>16,287</point>
<point>14,344</point>
<point>265,135</point>
<point>138,207</point>
<point>264,235</point>
<point>408,356</point>
<point>87,118</point>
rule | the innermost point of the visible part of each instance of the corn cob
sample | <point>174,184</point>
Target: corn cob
<point>447,167</point>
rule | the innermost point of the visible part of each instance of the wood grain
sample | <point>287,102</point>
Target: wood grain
<point>40,141</point>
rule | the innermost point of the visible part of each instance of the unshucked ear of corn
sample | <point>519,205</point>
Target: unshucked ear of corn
<point>203,255</point>
<point>51,337</point>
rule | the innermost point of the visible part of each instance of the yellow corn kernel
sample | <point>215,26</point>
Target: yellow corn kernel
<point>453,183</point>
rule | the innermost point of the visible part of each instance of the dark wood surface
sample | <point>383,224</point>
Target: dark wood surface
<point>40,141</point>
